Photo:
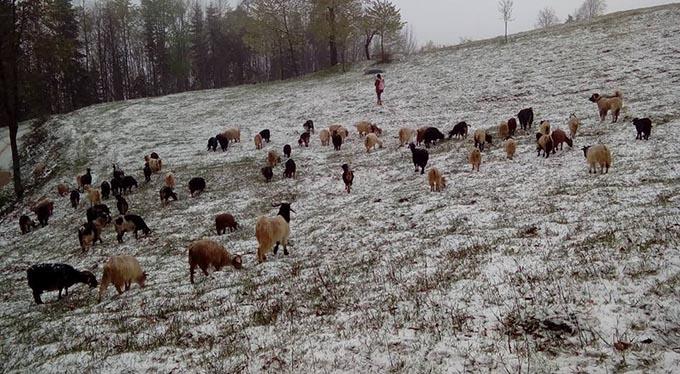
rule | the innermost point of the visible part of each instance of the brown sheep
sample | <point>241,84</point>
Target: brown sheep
<point>405,136</point>
<point>94,196</point>
<point>503,130</point>
<point>363,128</point>
<point>63,189</point>
<point>325,137</point>
<point>544,128</point>
<point>574,124</point>
<point>608,103</point>
<point>170,180</point>
<point>598,155</point>
<point>512,126</point>
<point>510,146</point>
<point>420,134</point>
<point>340,131</point>
<point>371,141</point>
<point>273,158</point>
<point>232,134</point>
<point>225,221</point>
<point>436,179</point>
<point>475,159</point>
<point>544,143</point>
<point>121,271</point>
<point>258,141</point>
<point>204,253</point>
<point>559,137</point>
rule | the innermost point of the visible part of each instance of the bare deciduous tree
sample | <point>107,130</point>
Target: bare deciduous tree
<point>546,18</point>
<point>505,9</point>
<point>591,9</point>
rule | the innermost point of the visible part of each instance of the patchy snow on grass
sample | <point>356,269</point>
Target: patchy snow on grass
<point>531,264</point>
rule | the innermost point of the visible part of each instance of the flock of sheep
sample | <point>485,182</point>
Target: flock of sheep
<point>270,232</point>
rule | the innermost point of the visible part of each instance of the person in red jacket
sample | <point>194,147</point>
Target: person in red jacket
<point>379,87</point>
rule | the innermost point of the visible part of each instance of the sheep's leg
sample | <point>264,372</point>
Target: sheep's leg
<point>127,286</point>
<point>136,235</point>
<point>276,248</point>
<point>36,297</point>
<point>285,247</point>
<point>120,237</point>
<point>192,267</point>
<point>120,291</point>
<point>204,268</point>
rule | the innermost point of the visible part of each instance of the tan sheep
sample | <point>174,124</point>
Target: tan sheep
<point>608,103</point>
<point>475,158</point>
<point>273,158</point>
<point>544,128</point>
<point>406,135</point>
<point>121,271</point>
<point>510,146</point>
<point>325,137</point>
<point>481,137</point>
<point>232,134</point>
<point>94,195</point>
<point>371,141</point>
<point>170,180</point>
<point>503,130</point>
<point>598,155</point>
<point>363,128</point>
<point>343,132</point>
<point>258,141</point>
<point>206,253</point>
<point>436,179</point>
<point>574,124</point>
<point>271,231</point>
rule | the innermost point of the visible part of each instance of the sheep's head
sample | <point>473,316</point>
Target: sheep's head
<point>284,210</point>
<point>142,279</point>
<point>570,142</point>
<point>585,151</point>
<point>595,97</point>
<point>88,278</point>
<point>237,262</point>
<point>345,167</point>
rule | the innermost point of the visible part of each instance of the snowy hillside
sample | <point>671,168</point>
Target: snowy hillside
<point>529,265</point>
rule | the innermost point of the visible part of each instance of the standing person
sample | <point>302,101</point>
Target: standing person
<point>379,87</point>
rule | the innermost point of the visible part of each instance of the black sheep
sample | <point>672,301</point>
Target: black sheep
<point>267,173</point>
<point>337,140</point>
<point>196,185</point>
<point>223,140</point>
<point>643,127</point>
<point>26,224</point>
<point>290,169</point>
<point>265,134</point>
<point>117,173</point>
<point>147,172</point>
<point>130,222</point>
<point>106,189</point>
<point>526,118</point>
<point>212,144</point>
<point>86,179</point>
<point>420,157</point>
<point>75,198</point>
<point>347,177</point>
<point>121,204</point>
<point>309,126</point>
<point>53,277</point>
<point>116,185</point>
<point>90,231</point>
<point>459,130</point>
<point>432,134</point>
<point>97,211</point>
<point>512,126</point>
<point>44,210</point>
<point>127,183</point>
<point>287,150</point>
<point>166,194</point>
<point>304,139</point>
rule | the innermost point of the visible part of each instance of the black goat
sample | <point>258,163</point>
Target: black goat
<point>290,169</point>
<point>267,173</point>
<point>420,157</point>
<point>432,134</point>
<point>53,277</point>
<point>265,134</point>
<point>526,118</point>
<point>459,130</point>
<point>643,127</point>
<point>196,185</point>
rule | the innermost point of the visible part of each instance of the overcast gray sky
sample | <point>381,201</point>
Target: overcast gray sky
<point>446,21</point>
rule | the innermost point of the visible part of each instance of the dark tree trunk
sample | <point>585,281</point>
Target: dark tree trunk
<point>367,45</point>
<point>333,49</point>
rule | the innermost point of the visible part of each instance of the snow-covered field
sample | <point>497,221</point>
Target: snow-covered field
<point>530,265</point>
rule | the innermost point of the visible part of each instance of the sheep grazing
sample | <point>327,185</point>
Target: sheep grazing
<point>26,224</point>
<point>337,141</point>
<point>43,209</point>
<point>598,155</point>
<point>290,169</point>
<point>643,127</point>
<point>544,143</point>
<point>420,134</point>
<point>121,271</point>
<point>309,126</point>
<point>406,136</point>
<point>544,128</point>
<point>304,139</point>
<point>127,183</point>
<point>212,144</point>
<point>286,150</point>
<point>432,135</point>
<point>420,157</point>
<point>75,198</point>
<point>273,230</point>
<point>94,196</point>
<point>481,137</point>
<point>267,173</point>
<point>155,164</point>
<point>204,253</point>
<point>371,141</point>
<point>574,124</point>
<point>436,179</point>
<point>258,141</point>
<point>347,177</point>
<point>559,137</point>
<point>503,130</point>
<point>339,129</point>
<point>147,172</point>
<point>225,221</point>
<point>98,211</point>
<point>196,184</point>
<point>460,130</point>
<point>121,204</point>
<point>475,158</point>
<point>512,126</point>
<point>273,158</point>
<point>365,127</point>
<point>526,118</point>
<point>608,103</point>
<point>223,140</point>
<point>325,137</point>
<point>130,222</point>
<point>53,277</point>
<point>84,180</point>
<point>510,146</point>
<point>265,134</point>
<point>90,232</point>
<point>232,135</point>
<point>62,189</point>
<point>166,193</point>
<point>106,190</point>
<point>169,180</point>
